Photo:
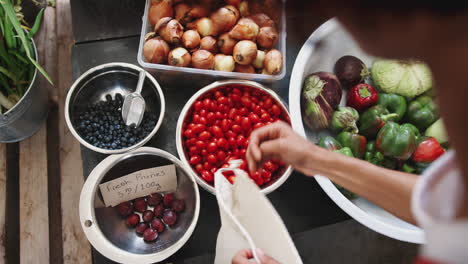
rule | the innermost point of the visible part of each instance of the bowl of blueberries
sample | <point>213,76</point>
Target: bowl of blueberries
<point>94,103</point>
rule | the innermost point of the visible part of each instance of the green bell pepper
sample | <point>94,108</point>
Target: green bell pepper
<point>408,168</point>
<point>372,155</point>
<point>328,142</point>
<point>423,112</point>
<point>355,142</point>
<point>394,103</point>
<point>416,131</point>
<point>396,141</point>
<point>345,151</point>
<point>374,119</point>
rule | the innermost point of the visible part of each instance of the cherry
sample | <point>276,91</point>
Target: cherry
<point>140,205</point>
<point>150,235</point>
<point>141,227</point>
<point>158,210</point>
<point>132,220</point>
<point>125,209</point>
<point>154,199</point>
<point>148,215</point>
<point>169,217</point>
<point>158,225</point>
<point>178,205</point>
<point>168,198</point>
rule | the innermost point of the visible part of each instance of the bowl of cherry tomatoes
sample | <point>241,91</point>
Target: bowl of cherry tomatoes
<point>214,128</point>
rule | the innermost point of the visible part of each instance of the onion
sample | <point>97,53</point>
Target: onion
<point>262,20</point>
<point>226,44</point>
<point>205,27</point>
<point>179,57</point>
<point>160,9</point>
<point>258,62</point>
<point>156,50</point>
<point>224,63</point>
<point>209,43</point>
<point>203,59</point>
<point>245,52</point>
<point>267,37</point>
<point>245,29</point>
<point>198,11</point>
<point>191,39</point>
<point>225,18</point>
<point>169,29</point>
<point>233,2</point>
<point>273,62</point>
<point>182,13</point>
<point>244,68</point>
<point>244,8</point>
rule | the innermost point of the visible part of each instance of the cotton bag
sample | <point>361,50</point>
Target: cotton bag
<point>249,220</point>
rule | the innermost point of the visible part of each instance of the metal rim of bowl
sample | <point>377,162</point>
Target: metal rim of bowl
<point>94,233</point>
<point>123,150</point>
<point>180,149</point>
<point>360,215</point>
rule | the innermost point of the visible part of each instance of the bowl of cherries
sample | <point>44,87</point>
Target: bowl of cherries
<point>214,128</point>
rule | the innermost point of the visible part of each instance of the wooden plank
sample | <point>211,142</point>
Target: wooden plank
<point>2,201</point>
<point>76,248</point>
<point>34,213</point>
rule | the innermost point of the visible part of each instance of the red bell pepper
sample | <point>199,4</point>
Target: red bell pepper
<point>362,96</point>
<point>428,150</point>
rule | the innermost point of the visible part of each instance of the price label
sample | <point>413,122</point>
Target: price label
<point>139,184</point>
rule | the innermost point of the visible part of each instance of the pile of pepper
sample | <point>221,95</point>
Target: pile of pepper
<point>387,130</point>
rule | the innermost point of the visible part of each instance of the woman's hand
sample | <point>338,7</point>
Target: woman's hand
<point>278,141</point>
<point>244,256</point>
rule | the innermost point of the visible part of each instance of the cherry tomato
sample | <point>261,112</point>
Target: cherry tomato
<point>218,94</point>
<point>254,118</point>
<point>246,101</point>
<point>221,155</point>
<point>211,159</point>
<point>188,133</point>
<point>219,115</point>
<point>241,140</point>
<point>230,134</point>
<point>276,110</point>
<point>200,144</point>
<point>225,125</point>
<point>203,113</point>
<point>222,100</point>
<point>266,174</point>
<point>190,126</point>
<point>205,136</point>
<point>243,165</point>
<point>257,110</point>
<point>236,152</point>
<point>232,142</point>
<point>222,143</point>
<point>236,98</point>
<point>198,128</point>
<point>236,91</point>
<point>190,142</point>
<point>217,131</point>
<point>267,103</point>
<point>232,179</point>
<point>196,118</point>
<point>213,106</point>
<point>198,105</point>
<point>236,128</point>
<point>225,165</point>
<point>194,160</point>
<point>203,152</point>
<point>237,119</point>
<point>246,124</point>
<point>193,150</point>
<point>259,181</point>
<point>265,117</point>
<point>212,147</point>
<point>207,176</point>
<point>199,167</point>
<point>206,103</point>
<point>255,175</point>
<point>268,165</point>
<point>242,152</point>
<point>243,111</point>
<point>210,118</point>
<point>213,170</point>
<point>232,113</point>
<point>207,165</point>
<point>258,125</point>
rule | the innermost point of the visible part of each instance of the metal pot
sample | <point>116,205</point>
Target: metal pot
<point>27,116</point>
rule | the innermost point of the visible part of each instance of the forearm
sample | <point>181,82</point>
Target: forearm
<point>386,188</point>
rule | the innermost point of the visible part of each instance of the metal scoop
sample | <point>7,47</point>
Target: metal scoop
<point>134,105</point>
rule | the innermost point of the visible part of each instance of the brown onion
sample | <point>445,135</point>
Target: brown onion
<point>244,68</point>
<point>179,57</point>
<point>245,29</point>
<point>169,29</point>
<point>233,2</point>
<point>273,62</point>
<point>198,11</point>
<point>225,18</point>
<point>209,43</point>
<point>224,63</point>
<point>245,52</point>
<point>202,59</point>
<point>262,20</point>
<point>181,13</point>
<point>244,8</point>
<point>205,27</point>
<point>191,39</point>
<point>226,44</point>
<point>258,62</point>
<point>156,50</point>
<point>160,9</point>
<point>267,37</point>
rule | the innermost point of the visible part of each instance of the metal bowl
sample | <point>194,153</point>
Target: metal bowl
<point>107,231</point>
<point>320,52</point>
<point>274,184</point>
<point>112,78</point>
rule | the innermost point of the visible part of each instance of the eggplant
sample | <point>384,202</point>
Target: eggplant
<point>320,96</point>
<point>350,71</point>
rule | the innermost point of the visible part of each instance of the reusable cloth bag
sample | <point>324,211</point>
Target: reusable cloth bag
<point>249,220</point>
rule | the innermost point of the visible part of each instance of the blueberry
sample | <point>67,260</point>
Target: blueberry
<point>113,145</point>
<point>132,140</point>
<point>108,97</point>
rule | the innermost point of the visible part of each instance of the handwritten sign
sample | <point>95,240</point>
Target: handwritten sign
<point>139,184</point>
